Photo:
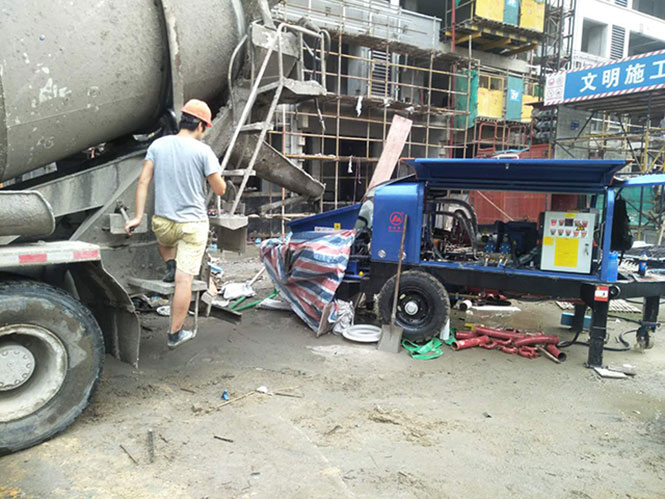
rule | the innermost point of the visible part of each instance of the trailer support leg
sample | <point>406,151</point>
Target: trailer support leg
<point>650,311</point>
<point>649,322</point>
<point>597,333</point>
<point>578,318</point>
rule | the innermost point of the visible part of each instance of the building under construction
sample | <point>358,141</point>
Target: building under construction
<point>617,113</point>
<point>463,71</point>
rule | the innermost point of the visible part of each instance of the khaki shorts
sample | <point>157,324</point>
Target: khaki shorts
<point>189,239</point>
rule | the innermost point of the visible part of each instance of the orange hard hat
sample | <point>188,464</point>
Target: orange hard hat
<point>198,109</point>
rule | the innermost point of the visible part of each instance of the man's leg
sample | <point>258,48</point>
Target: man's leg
<point>181,300</point>
<point>189,252</point>
<point>167,236</point>
<point>167,253</point>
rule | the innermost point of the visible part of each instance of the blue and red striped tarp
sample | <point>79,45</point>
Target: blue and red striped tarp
<point>307,268</point>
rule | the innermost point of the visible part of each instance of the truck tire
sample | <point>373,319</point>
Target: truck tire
<point>51,356</point>
<point>423,307</point>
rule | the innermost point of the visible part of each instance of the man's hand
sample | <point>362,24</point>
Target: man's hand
<point>217,183</point>
<point>141,194</point>
<point>131,224</point>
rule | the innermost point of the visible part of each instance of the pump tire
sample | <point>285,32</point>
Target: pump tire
<point>430,298</point>
<point>67,344</point>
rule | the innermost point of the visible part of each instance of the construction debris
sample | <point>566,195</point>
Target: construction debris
<point>223,439</point>
<point>508,341</point>
<point>151,447</point>
<point>129,454</point>
<point>235,290</point>
<point>607,373</point>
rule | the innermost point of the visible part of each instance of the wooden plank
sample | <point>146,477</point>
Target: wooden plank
<point>392,150</point>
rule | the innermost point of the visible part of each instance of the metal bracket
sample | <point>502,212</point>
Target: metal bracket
<point>117,224</point>
<point>175,60</point>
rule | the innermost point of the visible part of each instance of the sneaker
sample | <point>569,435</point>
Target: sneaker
<point>182,336</point>
<point>170,271</point>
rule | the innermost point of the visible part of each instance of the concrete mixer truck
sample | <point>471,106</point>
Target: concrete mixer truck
<point>84,88</point>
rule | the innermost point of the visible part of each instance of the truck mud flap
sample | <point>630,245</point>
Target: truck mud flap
<point>113,309</point>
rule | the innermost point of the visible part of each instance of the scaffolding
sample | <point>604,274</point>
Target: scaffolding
<point>639,138</point>
<point>606,135</point>
<point>557,48</point>
<point>374,70</point>
<point>385,60</point>
<point>555,54</point>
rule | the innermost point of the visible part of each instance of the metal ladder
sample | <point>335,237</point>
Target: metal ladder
<point>257,88</point>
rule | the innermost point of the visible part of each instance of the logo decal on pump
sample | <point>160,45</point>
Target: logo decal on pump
<point>396,220</point>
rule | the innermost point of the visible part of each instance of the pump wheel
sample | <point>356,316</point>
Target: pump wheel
<point>423,307</point>
<point>51,355</point>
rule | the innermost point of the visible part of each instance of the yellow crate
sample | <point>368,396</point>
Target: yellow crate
<point>526,110</point>
<point>532,14</point>
<point>490,103</point>
<point>490,96</point>
<point>490,9</point>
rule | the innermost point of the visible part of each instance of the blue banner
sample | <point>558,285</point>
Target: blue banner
<point>639,73</point>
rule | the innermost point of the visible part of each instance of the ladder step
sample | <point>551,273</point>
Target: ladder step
<point>267,88</point>
<point>238,173</point>
<point>161,287</point>
<point>256,127</point>
<point>231,222</point>
<point>296,91</point>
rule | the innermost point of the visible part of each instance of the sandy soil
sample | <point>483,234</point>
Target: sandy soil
<point>359,423</point>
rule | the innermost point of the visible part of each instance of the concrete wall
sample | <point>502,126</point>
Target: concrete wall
<point>609,13</point>
<point>654,8</point>
<point>492,60</point>
<point>567,118</point>
<point>357,68</point>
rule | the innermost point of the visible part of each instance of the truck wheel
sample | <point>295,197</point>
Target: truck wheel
<point>51,356</point>
<point>423,307</point>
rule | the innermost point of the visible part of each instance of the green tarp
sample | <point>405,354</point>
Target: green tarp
<point>514,98</point>
<point>461,83</point>
<point>511,12</point>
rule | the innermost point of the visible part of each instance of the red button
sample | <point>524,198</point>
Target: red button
<point>577,233</point>
<point>584,234</point>
<point>585,223</point>
<point>553,222</point>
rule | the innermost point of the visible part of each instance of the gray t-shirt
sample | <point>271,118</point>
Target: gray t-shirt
<point>181,167</point>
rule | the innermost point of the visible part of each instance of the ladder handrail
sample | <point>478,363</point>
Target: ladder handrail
<point>256,85</point>
<point>252,96</point>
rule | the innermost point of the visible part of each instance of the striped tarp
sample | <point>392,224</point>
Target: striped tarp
<point>307,268</point>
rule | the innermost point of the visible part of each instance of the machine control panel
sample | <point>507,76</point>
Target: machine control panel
<point>567,244</point>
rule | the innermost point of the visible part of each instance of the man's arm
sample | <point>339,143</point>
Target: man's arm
<point>217,183</point>
<point>141,195</point>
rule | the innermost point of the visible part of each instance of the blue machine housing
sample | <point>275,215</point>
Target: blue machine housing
<point>340,219</point>
<point>372,274</point>
<point>546,176</point>
<point>392,204</point>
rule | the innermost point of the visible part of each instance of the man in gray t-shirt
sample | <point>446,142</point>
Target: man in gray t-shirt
<point>180,165</point>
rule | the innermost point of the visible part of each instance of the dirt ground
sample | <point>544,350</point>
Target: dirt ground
<point>358,423</point>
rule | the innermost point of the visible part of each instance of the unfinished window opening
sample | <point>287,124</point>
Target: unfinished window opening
<point>641,44</point>
<point>654,8</point>
<point>594,36</point>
